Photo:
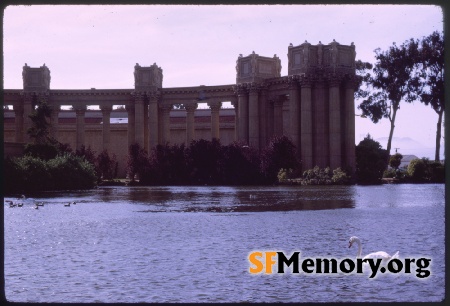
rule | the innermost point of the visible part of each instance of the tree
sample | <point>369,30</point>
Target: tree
<point>362,77</point>
<point>281,153</point>
<point>431,72</point>
<point>39,129</point>
<point>371,160</point>
<point>395,160</point>
<point>393,81</point>
<point>202,161</point>
<point>137,162</point>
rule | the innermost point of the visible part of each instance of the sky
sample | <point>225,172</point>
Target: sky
<point>97,46</point>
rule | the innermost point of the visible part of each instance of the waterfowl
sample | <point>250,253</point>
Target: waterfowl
<point>67,204</point>
<point>20,204</point>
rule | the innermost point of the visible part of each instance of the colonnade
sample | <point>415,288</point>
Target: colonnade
<point>321,118</point>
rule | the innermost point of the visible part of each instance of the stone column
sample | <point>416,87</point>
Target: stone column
<point>153,134</point>
<point>28,108</point>
<point>106,131</point>
<point>306,135</point>
<point>139,119</point>
<point>294,111</point>
<point>253,116</point>
<point>335,123</point>
<point>190,121</point>
<point>215,108</point>
<point>321,143</point>
<point>278,116</point>
<point>131,127</point>
<point>166,122</point>
<point>270,119</point>
<point>18,121</point>
<point>263,109</point>
<point>349,124</point>
<point>146,136</point>
<point>54,124</point>
<point>80,111</point>
<point>236,119</point>
<point>243,113</point>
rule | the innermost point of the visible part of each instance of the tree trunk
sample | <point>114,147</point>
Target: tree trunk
<point>391,132</point>
<point>438,136</point>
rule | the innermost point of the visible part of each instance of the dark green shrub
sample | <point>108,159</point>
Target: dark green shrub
<point>167,166</point>
<point>137,161</point>
<point>35,174</point>
<point>13,179</point>
<point>71,172</point>
<point>279,154</point>
<point>43,151</point>
<point>417,170</point>
<point>202,162</point>
<point>371,161</point>
<point>239,165</point>
<point>340,177</point>
<point>106,165</point>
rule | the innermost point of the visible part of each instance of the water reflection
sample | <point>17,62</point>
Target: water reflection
<point>237,199</point>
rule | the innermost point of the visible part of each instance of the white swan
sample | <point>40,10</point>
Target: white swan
<point>380,254</point>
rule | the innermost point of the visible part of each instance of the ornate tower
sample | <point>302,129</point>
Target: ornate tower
<point>255,68</point>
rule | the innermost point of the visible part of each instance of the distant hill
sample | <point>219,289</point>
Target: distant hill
<point>409,146</point>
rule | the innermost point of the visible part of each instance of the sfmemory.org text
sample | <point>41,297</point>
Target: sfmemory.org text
<point>265,261</point>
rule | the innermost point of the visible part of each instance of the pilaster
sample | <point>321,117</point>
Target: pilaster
<point>80,110</point>
<point>106,132</point>
<point>215,108</point>
<point>253,116</point>
<point>190,121</point>
<point>131,125</point>
<point>18,121</point>
<point>335,122</point>
<point>153,119</point>
<point>306,136</point>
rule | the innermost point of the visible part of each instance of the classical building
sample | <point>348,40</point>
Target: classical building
<point>313,105</point>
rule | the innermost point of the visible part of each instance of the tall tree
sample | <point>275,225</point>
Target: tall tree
<point>392,81</point>
<point>431,71</point>
<point>40,126</point>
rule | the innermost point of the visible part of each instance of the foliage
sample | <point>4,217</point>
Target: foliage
<point>395,160</point>
<point>340,177</point>
<point>431,72</point>
<point>89,155</point>
<point>137,161</point>
<point>106,165</point>
<point>425,171</point>
<point>317,176</point>
<point>239,165</point>
<point>362,77</point>
<point>285,174</point>
<point>417,170</point>
<point>280,153</point>
<point>393,81</point>
<point>42,150</point>
<point>30,174</point>
<point>202,162</point>
<point>166,166</point>
<point>71,172</point>
<point>371,161</point>
<point>39,128</point>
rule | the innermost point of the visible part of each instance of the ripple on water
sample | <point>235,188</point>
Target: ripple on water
<point>105,249</point>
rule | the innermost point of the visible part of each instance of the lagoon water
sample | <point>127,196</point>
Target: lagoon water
<point>191,244</point>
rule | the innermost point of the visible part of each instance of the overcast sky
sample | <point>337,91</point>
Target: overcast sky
<point>98,46</point>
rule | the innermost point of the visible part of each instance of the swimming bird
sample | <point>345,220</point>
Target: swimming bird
<point>74,203</point>
<point>36,207</point>
<point>380,254</point>
<point>68,204</point>
<point>19,204</point>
